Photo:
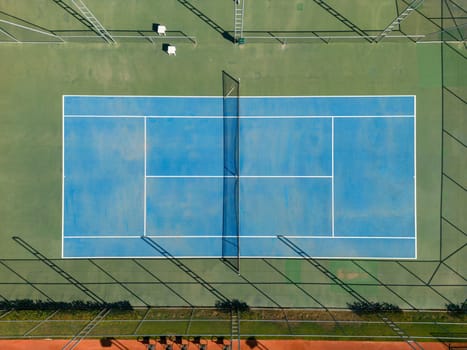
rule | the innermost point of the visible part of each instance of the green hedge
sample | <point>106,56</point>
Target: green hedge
<point>29,304</point>
<point>457,309</point>
<point>363,307</point>
<point>227,306</point>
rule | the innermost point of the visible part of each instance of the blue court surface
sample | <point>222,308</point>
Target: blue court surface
<point>334,175</point>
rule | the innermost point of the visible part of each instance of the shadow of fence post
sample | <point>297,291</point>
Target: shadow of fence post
<point>177,262</point>
<point>407,338</point>
<point>193,9</point>
<point>41,257</point>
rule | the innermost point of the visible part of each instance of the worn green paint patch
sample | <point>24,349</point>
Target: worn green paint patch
<point>352,274</point>
<point>349,272</point>
<point>429,65</point>
<point>293,270</point>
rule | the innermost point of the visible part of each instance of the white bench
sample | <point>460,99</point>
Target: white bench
<point>172,50</point>
<point>161,29</point>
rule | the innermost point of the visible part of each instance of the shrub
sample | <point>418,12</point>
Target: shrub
<point>457,309</point>
<point>363,307</point>
<point>226,306</point>
<point>239,306</point>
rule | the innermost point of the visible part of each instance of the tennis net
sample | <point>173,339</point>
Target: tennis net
<point>230,210</point>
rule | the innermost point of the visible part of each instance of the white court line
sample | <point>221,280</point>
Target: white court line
<point>332,177</point>
<point>272,116</point>
<point>103,237</point>
<point>241,237</point>
<point>415,171</point>
<point>240,117</point>
<point>145,179</point>
<point>242,257</point>
<point>241,176</point>
<point>318,116</point>
<point>326,96</point>
<point>102,116</point>
<point>351,237</point>
<point>300,258</point>
<point>246,97</point>
<point>147,96</point>
<point>63,175</point>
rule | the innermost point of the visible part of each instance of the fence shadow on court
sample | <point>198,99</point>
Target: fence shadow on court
<point>185,268</point>
<point>159,280</point>
<point>5,15</point>
<point>70,10</point>
<point>118,282</point>
<point>341,18</point>
<point>211,23</point>
<point>307,293</point>
<point>56,268</point>
<point>68,277</point>
<point>453,187</point>
<point>90,34</point>
<point>24,279</point>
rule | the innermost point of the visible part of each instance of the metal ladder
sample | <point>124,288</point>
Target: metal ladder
<point>234,328</point>
<point>99,28</point>
<point>403,335</point>
<point>404,14</point>
<point>238,19</point>
<point>73,342</point>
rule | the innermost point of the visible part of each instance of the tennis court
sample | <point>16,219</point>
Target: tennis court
<point>334,175</point>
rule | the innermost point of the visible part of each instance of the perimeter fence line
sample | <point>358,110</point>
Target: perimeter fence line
<point>137,36</point>
<point>255,39</point>
<point>150,36</point>
<point>271,37</point>
<point>242,320</point>
<point>246,336</point>
<point>113,326</point>
<point>15,33</point>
